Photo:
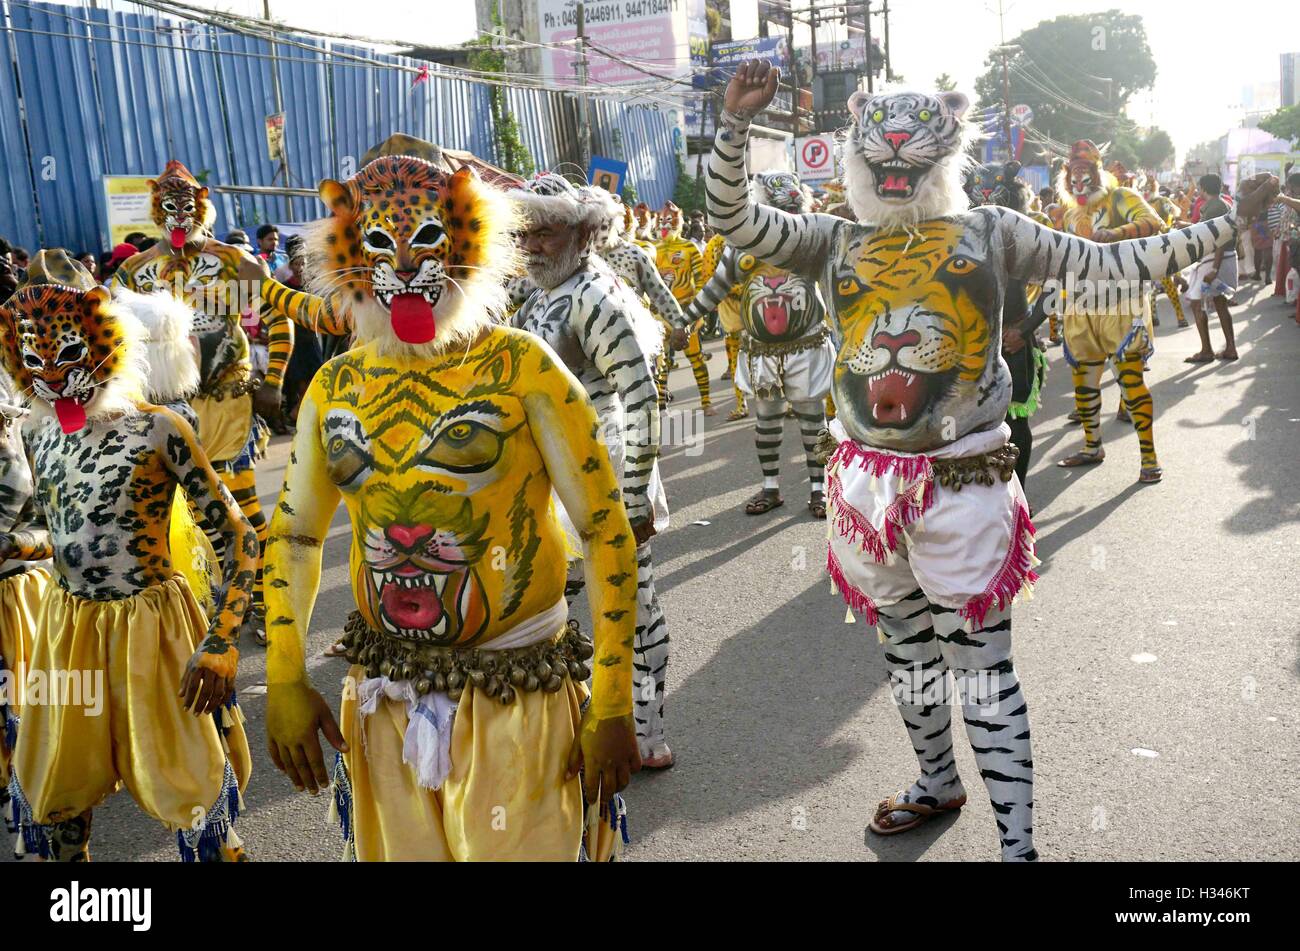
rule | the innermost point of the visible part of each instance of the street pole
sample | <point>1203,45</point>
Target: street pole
<point>1006,82</point>
<point>889,68</point>
<point>1006,104</point>
<point>584,118</point>
<point>866,26</point>
<point>812,26</point>
<point>275,63</point>
<point>794,80</point>
<point>279,102</point>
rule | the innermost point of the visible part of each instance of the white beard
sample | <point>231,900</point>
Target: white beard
<point>550,272</point>
<point>939,195</point>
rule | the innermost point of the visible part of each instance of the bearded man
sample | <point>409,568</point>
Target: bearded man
<point>608,339</point>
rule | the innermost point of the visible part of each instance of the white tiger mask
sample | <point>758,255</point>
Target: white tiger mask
<point>904,157</point>
<point>783,190</point>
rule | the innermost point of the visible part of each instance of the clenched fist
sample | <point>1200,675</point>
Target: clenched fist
<point>751,89</point>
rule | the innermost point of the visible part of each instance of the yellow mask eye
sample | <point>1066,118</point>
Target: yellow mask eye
<point>924,115</point>
<point>878,115</point>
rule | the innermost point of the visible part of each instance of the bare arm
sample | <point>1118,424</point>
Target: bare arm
<point>279,301</point>
<point>30,539</point>
<point>652,285</point>
<point>210,674</point>
<point>797,242</point>
<point>294,710</point>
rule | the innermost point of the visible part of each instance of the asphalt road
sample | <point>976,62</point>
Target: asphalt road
<point>1159,654</point>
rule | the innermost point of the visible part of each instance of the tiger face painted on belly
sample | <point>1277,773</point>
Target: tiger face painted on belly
<point>447,492</point>
<point>918,359</point>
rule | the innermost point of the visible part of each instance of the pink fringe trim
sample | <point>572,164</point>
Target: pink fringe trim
<point>881,463</point>
<point>850,524</point>
<point>1015,573</point>
<point>909,504</point>
<point>854,598</point>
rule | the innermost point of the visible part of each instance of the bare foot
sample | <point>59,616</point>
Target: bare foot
<point>1226,355</point>
<point>1200,357</point>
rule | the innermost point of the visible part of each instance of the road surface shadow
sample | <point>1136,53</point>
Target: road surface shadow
<point>773,695</point>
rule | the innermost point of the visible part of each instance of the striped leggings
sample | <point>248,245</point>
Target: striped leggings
<point>923,642</point>
<point>768,431</point>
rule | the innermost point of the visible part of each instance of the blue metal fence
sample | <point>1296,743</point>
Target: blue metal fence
<point>106,92</point>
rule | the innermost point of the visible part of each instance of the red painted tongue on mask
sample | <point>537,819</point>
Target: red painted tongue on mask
<point>72,415</point>
<point>897,183</point>
<point>178,237</point>
<point>412,318</point>
<point>776,318</point>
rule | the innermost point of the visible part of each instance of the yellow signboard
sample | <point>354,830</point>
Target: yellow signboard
<point>127,199</point>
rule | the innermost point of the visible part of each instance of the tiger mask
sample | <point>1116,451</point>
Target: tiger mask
<point>904,157</point>
<point>418,256</point>
<point>68,348</point>
<point>180,206</point>
<point>996,184</point>
<point>1082,181</point>
<point>645,222</point>
<point>669,221</point>
<point>783,190</point>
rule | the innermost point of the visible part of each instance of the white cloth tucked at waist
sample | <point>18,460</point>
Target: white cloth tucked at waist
<point>426,747</point>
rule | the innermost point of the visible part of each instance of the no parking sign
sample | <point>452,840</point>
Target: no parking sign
<point>815,157</point>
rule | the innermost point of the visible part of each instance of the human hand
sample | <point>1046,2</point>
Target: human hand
<point>752,89</point>
<point>606,753</point>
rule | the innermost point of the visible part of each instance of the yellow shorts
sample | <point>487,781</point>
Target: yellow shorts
<point>505,799</point>
<point>20,606</point>
<point>225,425</point>
<point>1096,337</point>
<point>192,553</point>
<point>729,315</point>
<point>116,720</point>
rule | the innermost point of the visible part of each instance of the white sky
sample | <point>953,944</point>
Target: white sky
<point>1205,52</point>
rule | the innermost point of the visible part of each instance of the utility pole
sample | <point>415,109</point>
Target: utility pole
<point>279,101</point>
<point>1006,84</point>
<point>812,27</point>
<point>584,103</point>
<point>866,26</point>
<point>794,78</point>
<point>889,68</point>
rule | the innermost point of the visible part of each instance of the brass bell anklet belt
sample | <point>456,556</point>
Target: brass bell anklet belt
<point>500,673</point>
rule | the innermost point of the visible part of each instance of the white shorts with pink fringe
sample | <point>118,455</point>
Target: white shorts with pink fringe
<point>894,529</point>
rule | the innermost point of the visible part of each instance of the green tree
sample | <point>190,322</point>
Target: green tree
<point>1285,123</point>
<point>1156,149</point>
<point>1076,72</point>
<point>688,194</point>
<point>512,153</point>
<point>945,83</point>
